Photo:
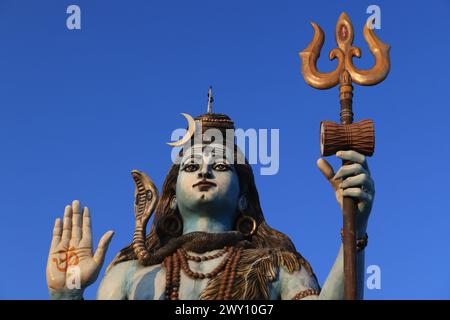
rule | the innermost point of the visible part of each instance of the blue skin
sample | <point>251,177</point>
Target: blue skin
<point>212,208</point>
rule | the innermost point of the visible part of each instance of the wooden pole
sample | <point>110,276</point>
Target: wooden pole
<point>348,204</point>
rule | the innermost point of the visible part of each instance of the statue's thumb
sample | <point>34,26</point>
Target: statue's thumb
<point>103,244</point>
<point>327,171</point>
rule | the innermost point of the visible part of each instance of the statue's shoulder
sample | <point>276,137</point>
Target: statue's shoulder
<point>132,268</point>
<point>276,258</point>
<point>254,272</point>
<point>120,266</point>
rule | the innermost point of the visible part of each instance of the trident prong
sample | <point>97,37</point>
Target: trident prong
<point>358,136</point>
<point>309,58</point>
<point>344,53</point>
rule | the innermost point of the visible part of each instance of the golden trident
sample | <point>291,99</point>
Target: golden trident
<point>359,136</point>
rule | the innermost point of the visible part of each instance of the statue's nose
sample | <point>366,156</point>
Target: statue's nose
<point>205,172</point>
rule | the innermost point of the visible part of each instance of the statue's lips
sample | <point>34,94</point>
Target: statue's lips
<point>204,183</point>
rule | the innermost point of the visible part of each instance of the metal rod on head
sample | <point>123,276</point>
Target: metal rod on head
<point>210,100</point>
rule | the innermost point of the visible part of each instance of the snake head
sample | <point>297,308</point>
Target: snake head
<point>146,197</point>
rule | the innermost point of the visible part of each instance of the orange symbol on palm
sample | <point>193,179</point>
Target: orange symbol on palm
<point>70,258</point>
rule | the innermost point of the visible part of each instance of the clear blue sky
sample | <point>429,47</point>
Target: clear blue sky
<point>80,109</point>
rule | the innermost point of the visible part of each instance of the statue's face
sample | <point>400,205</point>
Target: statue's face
<point>207,181</point>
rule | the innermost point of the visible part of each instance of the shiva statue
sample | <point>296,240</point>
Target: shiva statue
<point>208,238</point>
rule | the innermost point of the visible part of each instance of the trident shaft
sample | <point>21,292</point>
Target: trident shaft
<point>357,136</point>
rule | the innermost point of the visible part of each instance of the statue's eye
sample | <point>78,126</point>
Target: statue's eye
<point>221,167</point>
<point>191,167</point>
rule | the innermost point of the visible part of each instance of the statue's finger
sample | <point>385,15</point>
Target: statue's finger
<point>356,193</point>
<point>56,234</point>
<point>328,172</point>
<point>353,156</point>
<point>86,238</point>
<point>360,180</point>
<point>67,225</point>
<point>76,221</point>
<point>103,244</point>
<point>349,170</point>
<point>325,168</point>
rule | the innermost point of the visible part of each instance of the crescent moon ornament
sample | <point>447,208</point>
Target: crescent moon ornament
<point>189,134</point>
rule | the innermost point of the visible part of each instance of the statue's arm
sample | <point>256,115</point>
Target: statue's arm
<point>333,288</point>
<point>303,283</point>
<point>66,294</point>
<point>298,283</point>
<point>115,284</point>
<point>355,181</point>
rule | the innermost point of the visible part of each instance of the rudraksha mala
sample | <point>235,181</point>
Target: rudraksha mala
<point>306,293</point>
<point>204,258</point>
<point>180,258</point>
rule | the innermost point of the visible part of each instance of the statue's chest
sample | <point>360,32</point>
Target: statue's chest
<point>149,283</point>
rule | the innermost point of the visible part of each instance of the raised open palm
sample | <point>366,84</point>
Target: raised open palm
<point>71,255</point>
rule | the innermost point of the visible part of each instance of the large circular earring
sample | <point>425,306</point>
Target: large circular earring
<point>245,223</point>
<point>170,224</point>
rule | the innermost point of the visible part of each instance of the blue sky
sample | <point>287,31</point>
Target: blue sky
<point>80,109</point>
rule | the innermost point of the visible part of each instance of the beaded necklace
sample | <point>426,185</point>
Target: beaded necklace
<point>180,258</point>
